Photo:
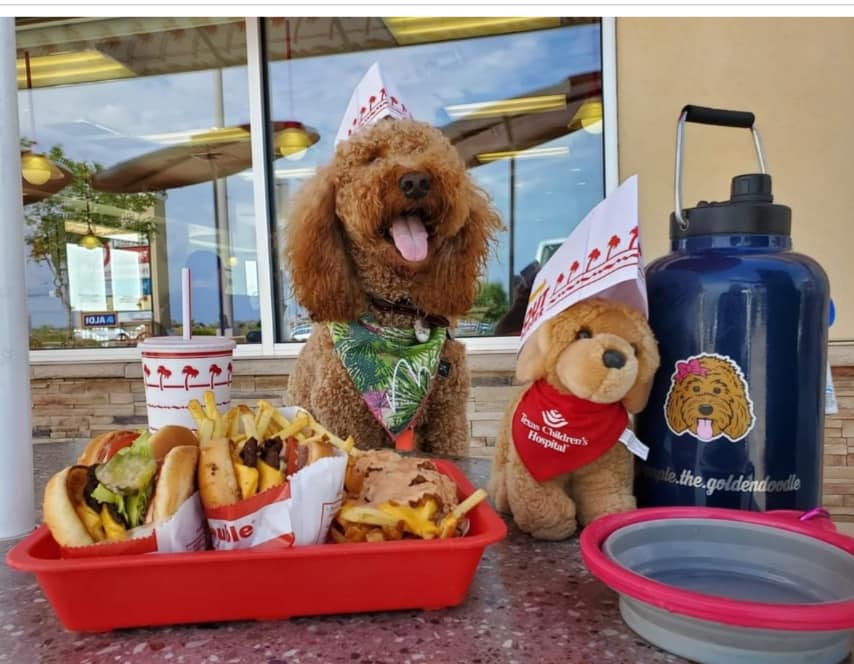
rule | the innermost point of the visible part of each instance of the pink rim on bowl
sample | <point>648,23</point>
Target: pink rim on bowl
<point>802,617</point>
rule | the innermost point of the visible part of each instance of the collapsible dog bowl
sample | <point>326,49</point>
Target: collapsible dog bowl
<point>729,586</point>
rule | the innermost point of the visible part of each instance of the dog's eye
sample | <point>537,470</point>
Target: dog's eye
<point>717,390</point>
<point>583,333</point>
<point>696,388</point>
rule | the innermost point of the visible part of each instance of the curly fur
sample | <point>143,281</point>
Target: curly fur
<point>719,396</point>
<point>340,254</point>
<point>552,509</point>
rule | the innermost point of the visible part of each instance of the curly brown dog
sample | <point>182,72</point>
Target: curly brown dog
<point>598,351</point>
<point>708,398</point>
<point>356,245</point>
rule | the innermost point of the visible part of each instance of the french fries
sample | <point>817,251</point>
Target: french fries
<point>241,423</point>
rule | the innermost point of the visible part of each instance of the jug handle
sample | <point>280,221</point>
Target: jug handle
<point>710,116</point>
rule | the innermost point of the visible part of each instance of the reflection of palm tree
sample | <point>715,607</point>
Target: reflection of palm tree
<point>163,372</point>
<point>189,372</point>
<point>215,371</point>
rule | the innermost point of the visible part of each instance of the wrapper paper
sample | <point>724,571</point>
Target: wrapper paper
<point>296,513</point>
<point>184,531</point>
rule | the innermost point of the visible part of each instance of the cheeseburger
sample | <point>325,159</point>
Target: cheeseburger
<point>229,472</point>
<point>122,480</point>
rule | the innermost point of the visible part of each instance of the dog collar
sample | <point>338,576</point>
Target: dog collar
<point>409,309</point>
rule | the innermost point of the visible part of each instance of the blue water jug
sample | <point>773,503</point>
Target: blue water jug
<point>736,414</point>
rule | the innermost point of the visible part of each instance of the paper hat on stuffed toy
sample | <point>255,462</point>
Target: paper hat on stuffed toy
<point>601,257</point>
<point>375,97</point>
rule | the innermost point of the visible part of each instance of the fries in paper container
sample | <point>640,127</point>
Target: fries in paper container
<point>272,477</point>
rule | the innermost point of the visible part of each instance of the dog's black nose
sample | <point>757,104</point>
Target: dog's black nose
<point>705,409</point>
<point>415,184</point>
<point>613,359</point>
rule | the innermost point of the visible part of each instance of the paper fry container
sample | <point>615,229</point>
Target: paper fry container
<point>296,513</point>
<point>177,370</point>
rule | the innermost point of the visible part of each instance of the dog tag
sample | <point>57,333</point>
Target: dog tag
<point>422,331</point>
<point>636,447</point>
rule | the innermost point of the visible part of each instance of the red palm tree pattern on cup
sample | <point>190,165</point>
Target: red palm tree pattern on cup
<point>189,372</point>
<point>228,370</point>
<point>215,371</point>
<point>634,235</point>
<point>146,370</point>
<point>163,372</point>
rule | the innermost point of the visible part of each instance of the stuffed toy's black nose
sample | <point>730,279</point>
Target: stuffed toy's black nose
<point>415,184</point>
<point>705,409</point>
<point>613,359</point>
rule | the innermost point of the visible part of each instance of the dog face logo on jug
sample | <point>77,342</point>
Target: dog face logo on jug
<point>709,398</point>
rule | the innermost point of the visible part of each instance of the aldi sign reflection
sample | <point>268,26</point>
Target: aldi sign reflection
<point>100,319</point>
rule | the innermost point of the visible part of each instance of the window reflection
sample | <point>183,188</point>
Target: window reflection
<point>146,124</point>
<point>520,99</point>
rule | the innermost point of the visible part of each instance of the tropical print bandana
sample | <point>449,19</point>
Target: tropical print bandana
<point>389,366</point>
<point>555,433</point>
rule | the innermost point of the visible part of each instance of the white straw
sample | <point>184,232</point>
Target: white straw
<point>186,303</point>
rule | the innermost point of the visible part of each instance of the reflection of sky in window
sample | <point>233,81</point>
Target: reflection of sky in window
<point>108,122</point>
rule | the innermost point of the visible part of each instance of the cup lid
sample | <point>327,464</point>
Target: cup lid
<point>196,344</point>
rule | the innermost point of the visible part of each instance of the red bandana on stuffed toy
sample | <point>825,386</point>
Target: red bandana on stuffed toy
<point>555,433</point>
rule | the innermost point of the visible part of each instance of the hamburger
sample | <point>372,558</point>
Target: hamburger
<point>122,480</point>
<point>231,472</point>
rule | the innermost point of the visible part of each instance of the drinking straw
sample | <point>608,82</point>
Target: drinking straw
<point>186,303</point>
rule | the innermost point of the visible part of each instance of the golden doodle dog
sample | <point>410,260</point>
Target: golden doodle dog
<point>387,238</point>
<point>708,398</point>
<point>558,460</point>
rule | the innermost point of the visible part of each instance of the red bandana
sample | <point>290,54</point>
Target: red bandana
<point>555,433</point>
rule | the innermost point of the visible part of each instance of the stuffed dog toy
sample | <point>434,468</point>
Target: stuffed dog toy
<point>385,245</point>
<point>558,459</point>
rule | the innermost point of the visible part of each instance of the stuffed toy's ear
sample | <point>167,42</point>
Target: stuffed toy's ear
<point>531,363</point>
<point>324,277</point>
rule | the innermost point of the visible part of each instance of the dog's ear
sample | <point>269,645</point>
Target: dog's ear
<point>531,363</point>
<point>322,271</point>
<point>648,361</point>
<point>453,281</point>
<point>742,418</point>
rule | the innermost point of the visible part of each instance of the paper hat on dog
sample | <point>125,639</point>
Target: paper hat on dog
<point>601,257</point>
<point>375,97</point>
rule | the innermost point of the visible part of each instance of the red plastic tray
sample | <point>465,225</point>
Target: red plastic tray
<point>100,594</point>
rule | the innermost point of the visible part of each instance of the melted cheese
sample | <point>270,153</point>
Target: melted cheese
<point>114,530</point>
<point>247,480</point>
<point>270,476</point>
<point>91,521</point>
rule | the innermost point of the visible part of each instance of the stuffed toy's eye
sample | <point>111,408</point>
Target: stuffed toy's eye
<point>583,333</point>
<point>696,388</point>
<point>717,390</point>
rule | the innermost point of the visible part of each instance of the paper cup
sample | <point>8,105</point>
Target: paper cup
<point>177,370</point>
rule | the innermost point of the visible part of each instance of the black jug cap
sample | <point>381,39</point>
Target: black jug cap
<point>749,211</point>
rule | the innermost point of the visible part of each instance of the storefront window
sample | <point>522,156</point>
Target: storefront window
<point>145,123</point>
<point>520,98</point>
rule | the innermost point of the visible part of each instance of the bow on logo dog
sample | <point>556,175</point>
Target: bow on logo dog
<point>689,367</point>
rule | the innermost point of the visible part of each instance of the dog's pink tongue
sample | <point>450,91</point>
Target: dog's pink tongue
<point>704,429</point>
<point>410,237</point>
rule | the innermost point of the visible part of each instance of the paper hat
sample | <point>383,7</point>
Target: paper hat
<point>375,97</point>
<point>601,257</point>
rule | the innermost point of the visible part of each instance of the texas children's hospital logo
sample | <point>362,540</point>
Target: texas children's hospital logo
<point>709,398</point>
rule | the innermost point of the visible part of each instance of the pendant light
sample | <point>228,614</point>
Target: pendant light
<point>293,140</point>
<point>90,240</point>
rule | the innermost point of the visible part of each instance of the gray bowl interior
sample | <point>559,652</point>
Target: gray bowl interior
<point>735,560</point>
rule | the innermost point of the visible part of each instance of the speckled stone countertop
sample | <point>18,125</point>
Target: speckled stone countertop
<point>530,602</point>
